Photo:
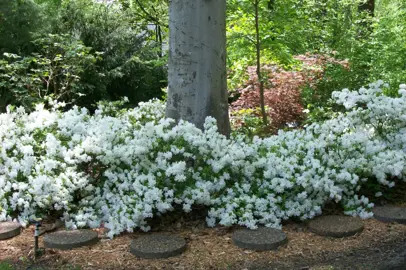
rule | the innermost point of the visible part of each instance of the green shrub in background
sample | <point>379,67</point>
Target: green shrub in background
<point>132,64</point>
<point>375,47</point>
<point>56,70</point>
<point>388,44</point>
<point>248,122</point>
<point>20,23</point>
<point>131,56</point>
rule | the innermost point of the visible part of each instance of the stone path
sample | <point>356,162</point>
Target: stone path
<point>9,230</point>
<point>158,246</point>
<point>261,239</point>
<point>70,239</point>
<point>390,213</point>
<point>336,226</point>
<point>163,245</point>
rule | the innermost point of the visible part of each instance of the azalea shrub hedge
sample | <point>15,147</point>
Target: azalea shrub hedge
<point>120,168</point>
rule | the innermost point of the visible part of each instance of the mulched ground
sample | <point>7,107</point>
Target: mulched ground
<point>379,246</point>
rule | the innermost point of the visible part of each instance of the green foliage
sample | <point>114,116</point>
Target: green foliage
<point>288,28</point>
<point>373,46</point>
<point>388,44</point>
<point>316,96</point>
<point>55,69</point>
<point>241,40</point>
<point>248,122</point>
<point>132,65</point>
<point>131,59</point>
<point>20,23</point>
<point>321,113</point>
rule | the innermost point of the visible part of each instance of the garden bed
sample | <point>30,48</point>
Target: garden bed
<point>123,169</point>
<point>212,248</point>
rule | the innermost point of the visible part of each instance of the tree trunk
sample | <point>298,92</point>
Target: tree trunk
<point>197,82</point>
<point>260,80</point>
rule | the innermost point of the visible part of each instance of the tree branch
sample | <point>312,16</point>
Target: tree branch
<point>149,15</point>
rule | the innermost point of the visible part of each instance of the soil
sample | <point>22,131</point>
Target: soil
<point>379,246</point>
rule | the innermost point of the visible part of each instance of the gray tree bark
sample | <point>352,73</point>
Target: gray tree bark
<point>197,82</point>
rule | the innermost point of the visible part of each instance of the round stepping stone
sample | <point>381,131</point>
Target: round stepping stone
<point>336,226</point>
<point>262,238</point>
<point>390,213</point>
<point>158,246</point>
<point>9,230</point>
<point>70,239</point>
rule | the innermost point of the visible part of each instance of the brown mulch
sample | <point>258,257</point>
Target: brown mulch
<point>208,248</point>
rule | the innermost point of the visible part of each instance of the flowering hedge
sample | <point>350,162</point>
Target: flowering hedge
<point>121,168</point>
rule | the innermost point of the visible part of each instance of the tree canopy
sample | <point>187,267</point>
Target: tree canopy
<point>126,42</point>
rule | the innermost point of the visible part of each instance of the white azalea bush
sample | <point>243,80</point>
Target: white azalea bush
<point>121,168</point>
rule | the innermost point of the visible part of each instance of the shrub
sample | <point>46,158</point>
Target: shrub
<point>131,62</point>
<point>20,23</point>
<point>121,168</point>
<point>54,70</point>
<point>282,102</point>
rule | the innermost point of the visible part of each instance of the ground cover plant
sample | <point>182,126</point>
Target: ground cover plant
<point>119,168</point>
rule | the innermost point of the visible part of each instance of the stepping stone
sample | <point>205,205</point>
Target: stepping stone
<point>158,246</point>
<point>9,230</point>
<point>336,226</point>
<point>70,239</point>
<point>390,213</point>
<point>262,238</point>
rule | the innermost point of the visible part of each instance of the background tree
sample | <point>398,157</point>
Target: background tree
<point>132,63</point>
<point>20,22</point>
<point>258,48</point>
<point>56,70</point>
<point>132,36</point>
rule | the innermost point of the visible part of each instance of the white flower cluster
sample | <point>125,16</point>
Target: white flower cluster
<point>122,169</point>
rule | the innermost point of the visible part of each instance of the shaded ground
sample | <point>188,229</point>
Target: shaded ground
<point>385,256</point>
<point>379,246</point>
